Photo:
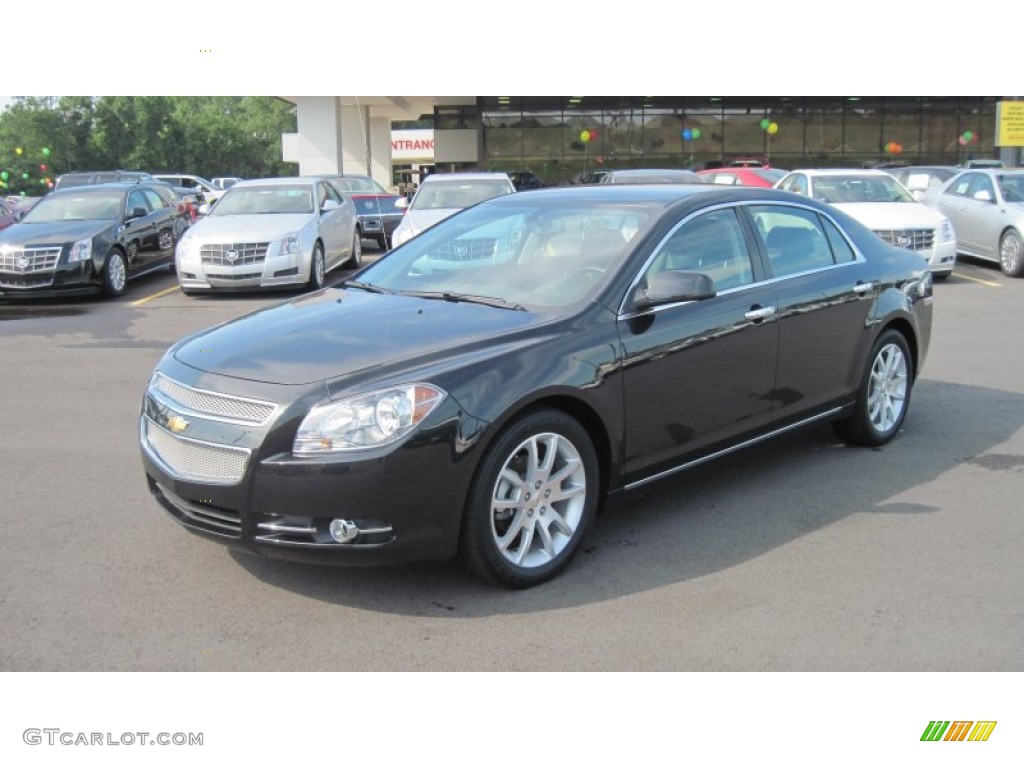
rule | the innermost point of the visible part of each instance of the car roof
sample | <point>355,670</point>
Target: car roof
<point>844,172</point>
<point>280,181</point>
<point>87,188</point>
<point>663,195</point>
<point>466,176</point>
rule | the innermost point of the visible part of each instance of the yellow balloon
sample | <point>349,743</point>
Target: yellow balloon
<point>773,128</point>
<point>584,136</point>
<point>17,150</point>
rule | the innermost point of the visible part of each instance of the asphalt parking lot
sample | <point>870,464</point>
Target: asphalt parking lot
<point>799,555</point>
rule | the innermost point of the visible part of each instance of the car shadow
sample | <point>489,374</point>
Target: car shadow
<point>708,519</point>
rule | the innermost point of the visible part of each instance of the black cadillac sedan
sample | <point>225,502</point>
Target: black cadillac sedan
<point>88,239</point>
<point>487,386</point>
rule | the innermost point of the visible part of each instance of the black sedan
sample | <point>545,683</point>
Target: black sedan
<point>88,239</point>
<point>487,386</point>
<point>377,211</point>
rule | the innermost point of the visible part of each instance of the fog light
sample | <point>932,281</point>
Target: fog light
<point>343,531</point>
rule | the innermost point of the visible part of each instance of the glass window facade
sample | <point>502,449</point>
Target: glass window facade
<point>560,137</point>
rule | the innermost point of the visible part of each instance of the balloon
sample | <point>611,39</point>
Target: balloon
<point>687,134</point>
<point>765,123</point>
<point>773,128</point>
<point>962,141</point>
<point>18,150</point>
<point>24,175</point>
<point>4,175</point>
<point>46,151</point>
<point>696,133</point>
<point>42,181</point>
<point>968,135</point>
<point>42,166</point>
<point>585,136</point>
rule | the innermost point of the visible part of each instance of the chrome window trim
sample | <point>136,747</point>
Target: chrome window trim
<point>858,256</point>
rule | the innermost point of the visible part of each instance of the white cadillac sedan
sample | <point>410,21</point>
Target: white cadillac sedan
<point>269,233</point>
<point>883,205</point>
<point>443,194</point>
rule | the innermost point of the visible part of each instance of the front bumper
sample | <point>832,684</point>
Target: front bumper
<point>256,265</point>
<point>64,280</point>
<point>239,484</point>
<point>942,258</point>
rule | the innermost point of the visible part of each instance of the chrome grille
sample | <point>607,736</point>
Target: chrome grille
<point>26,261</point>
<point>220,254</point>
<point>216,405</point>
<point>35,281</point>
<point>234,277</point>
<point>194,460</point>
<point>913,239</point>
<point>465,250</point>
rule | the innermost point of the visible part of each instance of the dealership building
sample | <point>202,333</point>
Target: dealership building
<point>558,137</point>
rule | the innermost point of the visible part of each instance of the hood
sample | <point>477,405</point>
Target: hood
<point>333,332</point>
<point>420,220</point>
<point>892,215</point>
<point>249,227</point>
<point>376,205</point>
<point>52,232</point>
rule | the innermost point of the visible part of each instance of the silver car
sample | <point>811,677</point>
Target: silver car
<point>986,207</point>
<point>443,194</point>
<point>270,233</point>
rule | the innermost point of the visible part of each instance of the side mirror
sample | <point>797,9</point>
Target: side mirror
<point>137,213</point>
<point>401,203</point>
<point>329,205</point>
<point>204,209</point>
<point>673,286</point>
<point>984,195</point>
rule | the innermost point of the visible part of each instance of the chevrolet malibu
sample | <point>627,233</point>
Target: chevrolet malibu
<point>270,233</point>
<point>485,388</point>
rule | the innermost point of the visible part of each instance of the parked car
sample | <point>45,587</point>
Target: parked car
<point>211,194</point>
<point>616,335</point>
<point>270,233</point>
<point>442,194</point>
<point>745,176</point>
<point>881,203</point>
<point>650,176</point>
<point>224,182</point>
<point>919,179</point>
<point>590,177</point>
<point>525,180</point>
<point>376,208</point>
<point>9,214</point>
<point>987,208</point>
<point>88,239</point>
<point>88,178</point>
<point>983,162</point>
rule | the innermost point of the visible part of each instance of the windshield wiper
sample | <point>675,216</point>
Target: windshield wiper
<point>364,286</point>
<point>488,301</point>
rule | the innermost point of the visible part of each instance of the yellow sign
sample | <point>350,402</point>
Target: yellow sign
<point>1010,124</point>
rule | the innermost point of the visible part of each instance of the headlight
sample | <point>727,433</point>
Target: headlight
<point>80,251</point>
<point>946,232</point>
<point>403,233</point>
<point>366,421</point>
<point>290,244</point>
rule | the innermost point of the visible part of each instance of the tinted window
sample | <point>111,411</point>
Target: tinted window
<point>842,251</point>
<point>155,201</point>
<point>137,200</point>
<point>793,239</point>
<point>712,244</point>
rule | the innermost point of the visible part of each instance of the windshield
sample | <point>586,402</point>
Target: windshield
<point>860,189</point>
<point>771,175</point>
<point>517,252</point>
<point>243,201</point>
<point>84,204</point>
<point>1013,188</point>
<point>359,184</point>
<point>463,193</point>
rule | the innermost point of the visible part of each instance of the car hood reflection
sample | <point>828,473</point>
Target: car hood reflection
<point>334,332</point>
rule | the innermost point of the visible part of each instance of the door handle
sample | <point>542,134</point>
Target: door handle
<point>758,313</point>
<point>862,288</point>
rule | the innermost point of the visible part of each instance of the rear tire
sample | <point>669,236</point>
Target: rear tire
<point>884,393</point>
<point>531,501</point>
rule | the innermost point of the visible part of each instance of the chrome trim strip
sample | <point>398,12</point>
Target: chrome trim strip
<point>169,400</point>
<point>733,449</point>
<point>275,528</point>
<point>201,515</point>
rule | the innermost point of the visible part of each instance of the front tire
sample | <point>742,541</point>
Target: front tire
<point>1011,253</point>
<point>317,269</point>
<point>884,393</point>
<point>115,275</point>
<point>531,501</point>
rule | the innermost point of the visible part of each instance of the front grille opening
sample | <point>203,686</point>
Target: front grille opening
<point>197,513</point>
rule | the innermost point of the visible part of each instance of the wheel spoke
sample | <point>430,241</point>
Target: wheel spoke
<point>547,544</point>
<point>525,542</point>
<point>559,477</point>
<point>562,494</point>
<point>512,478</point>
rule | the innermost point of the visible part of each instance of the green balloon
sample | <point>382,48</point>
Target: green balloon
<point>968,135</point>
<point>4,175</point>
<point>696,133</point>
<point>765,123</point>
<point>24,175</point>
<point>46,151</point>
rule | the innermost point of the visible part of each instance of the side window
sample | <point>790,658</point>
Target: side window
<point>842,251</point>
<point>963,184</point>
<point>712,244</point>
<point>799,184</point>
<point>137,200</point>
<point>793,239</point>
<point>332,193</point>
<point>981,188</point>
<point>155,201</point>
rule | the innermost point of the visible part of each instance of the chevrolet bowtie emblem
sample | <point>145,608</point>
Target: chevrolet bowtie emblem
<point>177,424</point>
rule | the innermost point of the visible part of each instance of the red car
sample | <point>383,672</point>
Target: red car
<point>745,176</point>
